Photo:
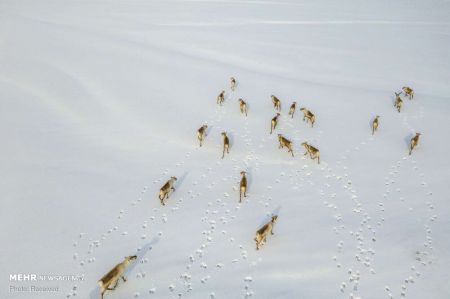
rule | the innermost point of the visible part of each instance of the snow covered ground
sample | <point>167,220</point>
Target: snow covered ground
<point>100,102</point>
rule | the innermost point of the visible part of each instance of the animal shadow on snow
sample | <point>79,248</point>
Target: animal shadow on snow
<point>180,180</point>
<point>407,139</point>
<point>209,129</point>
<point>95,293</point>
<point>230,136</point>
<point>266,219</point>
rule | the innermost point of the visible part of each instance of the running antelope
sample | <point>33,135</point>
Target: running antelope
<point>261,234</point>
<point>232,83</point>
<point>375,124</point>
<point>274,122</point>
<point>165,190</point>
<point>276,103</point>
<point>112,277</point>
<point>309,116</point>
<point>221,97</point>
<point>201,133</point>
<point>398,101</point>
<point>414,142</point>
<point>285,143</point>
<point>226,144</point>
<point>243,186</point>
<point>292,109</point>
<point>409,92</point>
<point>312,151</point>
<point>243,106</point>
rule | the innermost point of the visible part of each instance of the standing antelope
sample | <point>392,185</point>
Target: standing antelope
<point>201,133</point>
<point>243,106</point>
<point>221,97</point>
<point>409,92</point>
<point>292,109</point>
<point>276,102</point>
<point>261,234</point>
<point>243,186</point>
<point>309,116</point>
<point>375,124</point>
<point>398,101</point>
<point>285,143</point>
<point>112,277</point>
<point>274,122</point>
<point>164,191</point>
<point>226,144</point>
<point>232,83</point>
<point>414,142</point>
<point>312,151</point>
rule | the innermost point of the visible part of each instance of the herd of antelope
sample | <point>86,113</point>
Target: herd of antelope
<point>308,116</point>
<point>111,279</point>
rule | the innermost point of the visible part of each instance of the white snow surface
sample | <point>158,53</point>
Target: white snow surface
<point>100,103</point>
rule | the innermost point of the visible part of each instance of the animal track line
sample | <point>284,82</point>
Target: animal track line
<point>94,243</point>
<point>218,215</point>
<point>425,257</point>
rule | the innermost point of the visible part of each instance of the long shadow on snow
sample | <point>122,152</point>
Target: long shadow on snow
<point>181,179</point>
<point>407,140</point>
<point>276,211</point>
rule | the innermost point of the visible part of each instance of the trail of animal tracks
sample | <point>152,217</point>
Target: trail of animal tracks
<point>100,103</point>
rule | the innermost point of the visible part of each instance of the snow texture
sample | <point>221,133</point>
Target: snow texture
<point>100,103</point>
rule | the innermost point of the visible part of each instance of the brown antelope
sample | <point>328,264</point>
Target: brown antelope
<point>312,151</point>
<point>274,122</point>
<point>243,106</point>
<point>398,101</point>
<point>226,144</point>
<point>201,133</point>
<point>375,124</point>
<point>285,143</point>
<point>292,109</point>
<point>165,190</point>
<point>309,116</point>
<point>232,83</point>
<point>414,142</point>
<point>243,186</point>
<point>261,234</point>
<point>276,102</point>
<point>112,277</point>
<point>221,97</point>
<point>409,92</point>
